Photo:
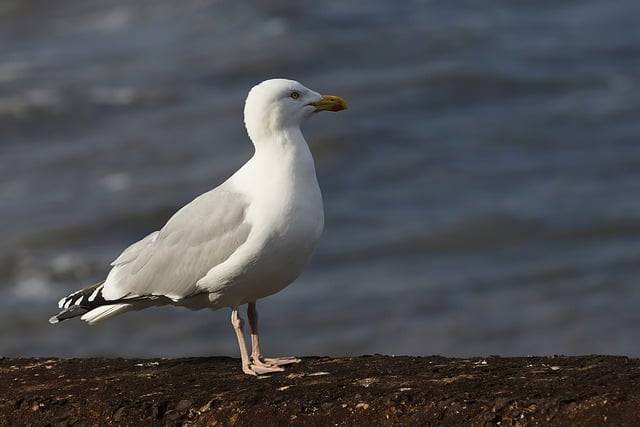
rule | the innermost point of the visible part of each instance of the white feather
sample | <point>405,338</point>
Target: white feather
<point>104,312</point>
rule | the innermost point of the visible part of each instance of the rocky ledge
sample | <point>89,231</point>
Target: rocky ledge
<point>374,390</point>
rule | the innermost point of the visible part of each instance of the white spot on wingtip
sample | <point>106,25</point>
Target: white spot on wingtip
<point>94,294</point>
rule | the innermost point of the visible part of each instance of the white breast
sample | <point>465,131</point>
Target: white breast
<point>286,214</point>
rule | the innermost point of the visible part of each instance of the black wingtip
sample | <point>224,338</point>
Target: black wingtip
<point>68,313</point>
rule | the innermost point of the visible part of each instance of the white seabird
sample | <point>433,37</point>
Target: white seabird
<point>244,240</point>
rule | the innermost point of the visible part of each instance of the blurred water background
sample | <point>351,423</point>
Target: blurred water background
<point>481,193</point>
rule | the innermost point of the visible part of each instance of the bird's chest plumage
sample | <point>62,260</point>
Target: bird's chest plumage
<point>295,219</point>
<point>299,224</point>
<point>288,218</point>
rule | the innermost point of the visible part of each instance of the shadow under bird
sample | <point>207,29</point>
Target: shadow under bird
<point>244,240</point>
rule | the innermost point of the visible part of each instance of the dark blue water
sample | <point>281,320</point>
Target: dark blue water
<point>481,193</point>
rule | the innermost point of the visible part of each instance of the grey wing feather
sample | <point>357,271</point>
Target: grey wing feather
<point>135,249</point>
<point>169,262</point>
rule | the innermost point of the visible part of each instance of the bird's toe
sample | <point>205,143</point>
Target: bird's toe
<point>265,369</point>
<point>279,361</point>
<point>249,370</point>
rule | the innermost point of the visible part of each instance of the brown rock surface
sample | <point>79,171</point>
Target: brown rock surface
<point>374,390</point>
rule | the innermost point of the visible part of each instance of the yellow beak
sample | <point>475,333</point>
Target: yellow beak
<point>330,103</point>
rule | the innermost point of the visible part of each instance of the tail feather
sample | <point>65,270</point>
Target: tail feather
<point>90,304</point>
<point>105,312</point>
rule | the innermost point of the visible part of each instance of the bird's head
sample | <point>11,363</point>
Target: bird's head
<point>279,104</point>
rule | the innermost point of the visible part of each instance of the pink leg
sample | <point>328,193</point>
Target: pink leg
<point>256,353</point>
<point>247,367</point>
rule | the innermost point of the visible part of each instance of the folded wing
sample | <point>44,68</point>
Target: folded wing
<point>169,262</point>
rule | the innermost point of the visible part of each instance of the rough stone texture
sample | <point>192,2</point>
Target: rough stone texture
<point>374,390</point>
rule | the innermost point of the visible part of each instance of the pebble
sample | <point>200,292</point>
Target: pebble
<point>366,382</point>
<point>183,405</point>
<point>147,364</point>
<point>206,406</point>
<point>117,416</point>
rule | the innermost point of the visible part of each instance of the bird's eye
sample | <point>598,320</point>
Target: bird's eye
<point>295,95</point>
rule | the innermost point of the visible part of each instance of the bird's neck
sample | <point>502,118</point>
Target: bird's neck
<point>288,148</point>
<point>284,156</point>
<point>285,145</point>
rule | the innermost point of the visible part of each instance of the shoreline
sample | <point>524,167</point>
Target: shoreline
<point>378,390</point>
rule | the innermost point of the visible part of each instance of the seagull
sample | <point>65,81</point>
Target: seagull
<point>244,240</point>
